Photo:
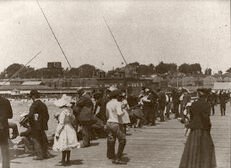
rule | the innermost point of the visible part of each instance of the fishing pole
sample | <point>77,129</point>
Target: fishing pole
<point>113,37</point>
<point>18,71</point>
<point>53,33</point>
<point>117,45</point>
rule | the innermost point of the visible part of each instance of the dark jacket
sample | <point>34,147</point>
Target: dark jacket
<point>102,111</point>
<point>153,97</point>
<point>212,98</point>
<point>162,100</point>
<point>175,98</point>
<point>84,110</point>
<point>5,114</point>
<point>38,116</point>
<point>200,111</point>
<point>132,101</point>
<point>223,98</point>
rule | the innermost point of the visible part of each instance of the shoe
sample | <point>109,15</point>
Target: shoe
<point>68,162</point>
<point>61,163</point>
<point>84,146</point>
<point>47,155</point>
<point>119,162</point>
<point>37,158</point>
<point>111,157</point>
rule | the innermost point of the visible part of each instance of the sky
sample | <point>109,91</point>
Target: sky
<point>147,31</point>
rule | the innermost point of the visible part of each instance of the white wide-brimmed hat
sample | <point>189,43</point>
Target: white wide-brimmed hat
<point>63,101</point>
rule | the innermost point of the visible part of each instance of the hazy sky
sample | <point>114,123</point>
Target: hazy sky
<point>147,31</point>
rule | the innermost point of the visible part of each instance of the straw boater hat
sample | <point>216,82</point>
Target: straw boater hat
<point>112,88</point>
<point>64,101</point>
<point>146,90</point>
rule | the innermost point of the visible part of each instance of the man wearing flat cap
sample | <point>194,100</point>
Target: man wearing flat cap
<point>38,118</point>
<point>115,128</point>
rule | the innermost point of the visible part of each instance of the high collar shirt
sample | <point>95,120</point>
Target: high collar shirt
<point>113,111</point>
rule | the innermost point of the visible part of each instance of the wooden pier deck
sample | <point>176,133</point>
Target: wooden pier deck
<point>158,146</point>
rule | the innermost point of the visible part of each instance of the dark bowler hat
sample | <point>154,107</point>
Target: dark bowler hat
<point>34,93</point>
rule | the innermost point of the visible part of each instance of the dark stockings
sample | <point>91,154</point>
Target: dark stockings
<point>66,154</point>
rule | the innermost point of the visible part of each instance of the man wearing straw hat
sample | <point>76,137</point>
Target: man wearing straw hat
<point>38,118</point>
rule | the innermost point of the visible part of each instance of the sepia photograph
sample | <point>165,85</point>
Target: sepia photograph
<point>115,83</point>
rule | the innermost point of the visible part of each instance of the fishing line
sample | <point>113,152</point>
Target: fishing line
<point>18,71</point>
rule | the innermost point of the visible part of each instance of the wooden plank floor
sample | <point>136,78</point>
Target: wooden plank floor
<point>160,146</point>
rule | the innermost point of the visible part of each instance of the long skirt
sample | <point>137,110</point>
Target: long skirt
<point>199,151</point>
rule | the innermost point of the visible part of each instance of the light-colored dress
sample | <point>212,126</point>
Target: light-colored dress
<point>125,118</point>
<point>65,131</point>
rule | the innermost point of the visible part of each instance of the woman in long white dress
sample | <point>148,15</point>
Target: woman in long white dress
<point>65,135</point>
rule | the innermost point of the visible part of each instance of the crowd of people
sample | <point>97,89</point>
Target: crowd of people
<point>106,114</point>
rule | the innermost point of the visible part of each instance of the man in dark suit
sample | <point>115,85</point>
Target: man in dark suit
<point>5,114</point>
<point>38,118</point>
<point>162,103</point>
<point>223,101</point>
<point>176,102</point>
<point>212,101</point>
<point>150,106</point>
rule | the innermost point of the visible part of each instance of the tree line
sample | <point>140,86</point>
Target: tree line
<point>88,71</point>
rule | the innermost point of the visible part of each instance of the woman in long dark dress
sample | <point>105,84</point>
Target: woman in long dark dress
<point>199,151</point>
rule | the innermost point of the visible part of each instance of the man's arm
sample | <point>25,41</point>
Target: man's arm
<point>9,109</point>
<point>107,113</point>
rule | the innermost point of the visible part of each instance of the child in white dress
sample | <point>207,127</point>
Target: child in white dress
<point>65,135</point>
